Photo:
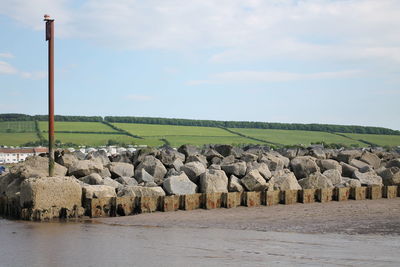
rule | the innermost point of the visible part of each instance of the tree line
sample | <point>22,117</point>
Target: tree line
<point>209,123</point>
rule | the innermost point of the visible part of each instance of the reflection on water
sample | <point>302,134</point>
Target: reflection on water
<point>93,244</point>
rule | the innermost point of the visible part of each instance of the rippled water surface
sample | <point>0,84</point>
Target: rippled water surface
<point>97,244</point>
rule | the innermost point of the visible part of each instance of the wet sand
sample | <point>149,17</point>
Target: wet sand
<point>380,216</point>
<point>353,233</point>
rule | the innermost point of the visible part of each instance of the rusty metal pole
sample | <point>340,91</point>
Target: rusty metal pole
<point>50,39</point>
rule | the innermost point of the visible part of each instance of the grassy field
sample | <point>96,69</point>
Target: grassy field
<point>17,126</point>
<point>381,140</point>
<point>18,133</point>
<point>17,139</point>
<point>76,126</point>
<point>291,137</point>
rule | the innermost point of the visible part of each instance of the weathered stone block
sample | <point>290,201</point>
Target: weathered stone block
<point>192,202</point>
<point>289,196</point>
<point>374,192</point>
<point>148,204</point>
<point>307,195</point>
<point>101,207</point>
<point>212,200</point>
<point>125,206</point>
<point>252,199</point>
<point>170,203</point>
<point>341,193</point>
<point>231,200</point>
<point>272,197</point>
<point>358,193</point>
<point>389,191</point>
<point>324,194</point>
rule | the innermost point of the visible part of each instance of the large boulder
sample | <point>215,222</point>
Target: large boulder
<point>317,152</point>
<point>358,164</point>
<point>122,157</point>
<point>347,182</point>
<point>393,163</point>
<point>92,179</point>
<point>36,167</point>
<point>262,168</point>
<point>235,185</point>
<point>188,150</point>
<point>98,191</point>
<point>127,181</point>
<point>228,150</point>
<point>368,178</point>
<point>67,160</point>
<point>13,189</point>
<point>121,169</point>
<point>371,159</point>
<point>211,153</point>
<point>197,158</point>
<point>304,166</point>
<point>347,170</point>
<point>286,180</point>
<point>168,156</point>
<point>113,183</point>
<point>249,157</point>
<point>45,193</point>
<point>391,176</point>
<point>179,185</point>
<point>347,155</point>
<point>253,181</point>
<point>236,168</point>
<point>275,163</point>
<point>213,181</point>
<point>193,170</point>
<point>329,164</point>
<point>152,166</point>
<point>100,156</point>
<point>5,180</point>
<point>144,177</point>
<point>141,154</point>
<point>141,191</point>
<point>315,181</point>
<point>85,167</point>
<point>333,175</point>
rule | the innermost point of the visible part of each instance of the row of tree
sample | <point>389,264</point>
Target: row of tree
<point>209,123</point>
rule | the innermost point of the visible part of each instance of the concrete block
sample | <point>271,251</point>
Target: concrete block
<point>212,200</point>
<point>289,197</point>
<point>170,203</point>
<point>389,191</point>
<point>358,193</point>
<point>148,204</point>
<point>272,197</point>
<point>2,206</point>
<point>324,194</point>
<point>100,207</point>
<point>191,202</point>
<point>251,199</point>
<point>231,199</point>
<point>307,195</point>
<point>374,192</point>
<point>126,206</point>
<point>341,193</point>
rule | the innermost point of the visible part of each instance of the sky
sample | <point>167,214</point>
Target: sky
<point>292,61</point>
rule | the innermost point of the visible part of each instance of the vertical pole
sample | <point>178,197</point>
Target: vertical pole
<point>50,39</point>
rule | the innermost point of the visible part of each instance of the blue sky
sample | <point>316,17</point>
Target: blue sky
<point>316,61</point>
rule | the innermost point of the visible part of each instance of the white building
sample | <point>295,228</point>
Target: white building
<point>15,155</point>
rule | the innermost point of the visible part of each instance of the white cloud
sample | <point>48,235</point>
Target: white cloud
<point>267,76</point>
<point>139,98</point>
<point>6,55</point>
<point>241,30</point>
<point>6,68</point>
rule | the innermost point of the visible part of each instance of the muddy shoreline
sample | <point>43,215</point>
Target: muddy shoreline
<point>380,217</point>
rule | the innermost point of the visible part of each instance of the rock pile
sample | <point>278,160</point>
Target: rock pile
<point>213,169</point>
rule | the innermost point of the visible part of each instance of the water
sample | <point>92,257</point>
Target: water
<point>98,244</point>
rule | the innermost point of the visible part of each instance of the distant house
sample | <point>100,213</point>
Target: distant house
<point>15,155</point>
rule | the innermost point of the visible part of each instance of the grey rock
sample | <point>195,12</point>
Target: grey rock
<point>177,164</point>
<point>236,168</point>
<point>214,167</point>
<point>347,155</point>
<point>253,181</point>
<point>211,153</point>
<point>193,170</point>
<point>179,185</point>
<point>100,156</point>
<point>67,160</point>
<point>36,167</point>
<point>144,177</point>
<point>188,150</point>
<point>317,153</point>
<point>347,170</point>
<point>358,164</point>
<point>347,182</point>
<point>329,164</point>
<point>120,169</point>
<point>85,167</point>
<point>368,178</point>
<point>92,179</point>
<point>110,182</point>
<point>371,159</point>
<point>285,181</point>
<point>235,184</point>
<point>127,181</point>
<point>125,157</point>
<point>141,191</point>
<point>333,175</point>
<point>393,163</point>
<point>152,166</point>
<point>169,155</point>
<point>197,158</point>
<point>315,181</point>
<point>213,181</point>
<point>274,162</point>
<point>262,168</point>
<point>391,176</point>
<point>304,166</point>
<point>98,191</point>
<point>249,157</point>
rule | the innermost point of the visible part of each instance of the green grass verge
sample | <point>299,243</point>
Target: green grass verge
<point>17,126</point>
<point>177,141</point>
<point>294,137</point>
<point>92,139</point>
<point>381,140</point>
<point>76,126</point>
<point>17,139</point>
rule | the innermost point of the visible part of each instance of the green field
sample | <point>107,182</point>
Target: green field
<point>17,139</point>
<point>293,137</point>
<point>76,126</point>
<point>21,132</point>
<point>381,140</point>
<point>17,126</point>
